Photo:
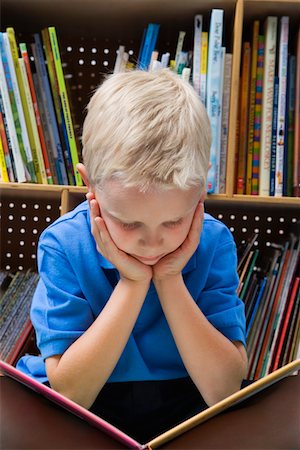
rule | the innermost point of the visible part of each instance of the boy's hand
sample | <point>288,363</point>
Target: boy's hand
<point>173,263</point>
<point>128,267</point>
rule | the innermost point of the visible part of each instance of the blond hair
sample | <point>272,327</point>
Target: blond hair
<point>146,128</point>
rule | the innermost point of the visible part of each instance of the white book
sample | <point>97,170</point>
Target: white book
<point>203,70</point>
<point>225,120</point>
<point>19,166</point>
<point>17,95</point>
<point>267,105</point>
<point>214,97</point>
<point>119,59</point>
<point>197,53</point>
<point>282,74</point>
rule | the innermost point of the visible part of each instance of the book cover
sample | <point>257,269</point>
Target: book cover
<point>20,174</point>
<point>244,111</point>
<point>203,72</point>
<point>197,52</point>
<point>254,50</point>
<point>257,115</point>
<point>282,75</point>
<point>25,57</point>
<point>214,96</point>
<point>163,438</point>
<point>270,29</point>
<point>65,103</point>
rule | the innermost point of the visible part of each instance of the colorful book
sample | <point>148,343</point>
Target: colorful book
<point>197,52</point>
<point>274,137</point>
<point>267,104</point>
<point>214,97</point>
<point>3,169</point>
<point>257,115</point>
<point>65,103</point>
<point>296,174</point>
<point>244,110</point>
<point>19,130</point>
<point>148,46</point>
<point>254,51</point>
<point>21,175</point>
<point>203,74</point>
<point>225,121</point>
<point>25,57</point>
<point>64,149</point>
<point>43,90</point>
<point>281,127</point>
<point>289,155</point>
<point>5,144</point>
<point>37,172</point>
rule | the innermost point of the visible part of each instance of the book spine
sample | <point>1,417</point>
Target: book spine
<point>20,174</point>
<point>27,140</point>
<point>197,52</point>
<point>179,48</point>
<point>225,120</point>
<point>213,96</point>
<point>203,74</point>
<point>267,104</point>
<point>282,74</point>
<point>42,163</point>
<point>43,88</point>
<point>274,137</point>
<point>65,104</point>
<point>257,116</point>
<point>296,173</point>
<point>252,106</point>
<point>243,134</point>
<point>24,53</point>
<point>290,127</point>
<point>3,169</point>
<point>6,144</point>
<point>119,59</point>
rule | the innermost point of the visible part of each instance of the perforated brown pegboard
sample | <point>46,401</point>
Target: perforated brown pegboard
<point>24,215</point>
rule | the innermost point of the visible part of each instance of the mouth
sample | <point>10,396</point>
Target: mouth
<point>148,258</point>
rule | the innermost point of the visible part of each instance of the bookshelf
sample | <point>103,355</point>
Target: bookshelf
<point>89,37</point>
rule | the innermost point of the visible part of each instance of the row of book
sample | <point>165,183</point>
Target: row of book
<point>37,140</point>
<point>15,300</point>
<point>270,289</point>
<point>268,141</point>
<point>208,67</point>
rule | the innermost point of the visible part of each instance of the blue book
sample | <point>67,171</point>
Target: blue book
<point>274,137</point>
<point>257,303</point>
<point>214,96</point>
<point>47,101</point>
<point>149,45</point>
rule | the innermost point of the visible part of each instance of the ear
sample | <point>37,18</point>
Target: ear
<point>83,173</point>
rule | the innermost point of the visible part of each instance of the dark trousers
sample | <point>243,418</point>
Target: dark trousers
<point>145,409</point>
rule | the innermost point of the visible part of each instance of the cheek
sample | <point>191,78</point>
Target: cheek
<point>120,237</point>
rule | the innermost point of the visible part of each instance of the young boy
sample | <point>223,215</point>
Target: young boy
<point>136,312</point>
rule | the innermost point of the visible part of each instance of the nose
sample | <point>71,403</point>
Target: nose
<point>151,240</point>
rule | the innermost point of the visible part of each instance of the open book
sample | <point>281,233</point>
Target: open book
<point>186,425</point>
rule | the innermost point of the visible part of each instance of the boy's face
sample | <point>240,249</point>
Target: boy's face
<point>147,225</point>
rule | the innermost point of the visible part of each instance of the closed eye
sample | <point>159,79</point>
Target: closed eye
<point>130,226</point>
<point>173,224</point>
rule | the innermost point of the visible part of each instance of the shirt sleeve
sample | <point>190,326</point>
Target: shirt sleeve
<point>219,300</point>
<point>60,314</point>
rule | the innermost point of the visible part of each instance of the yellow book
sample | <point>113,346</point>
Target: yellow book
<point>40,173</point>
<point>203,68</point>
<point>65,103</point>
<point>45,179</point>
<point>3,169</point>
